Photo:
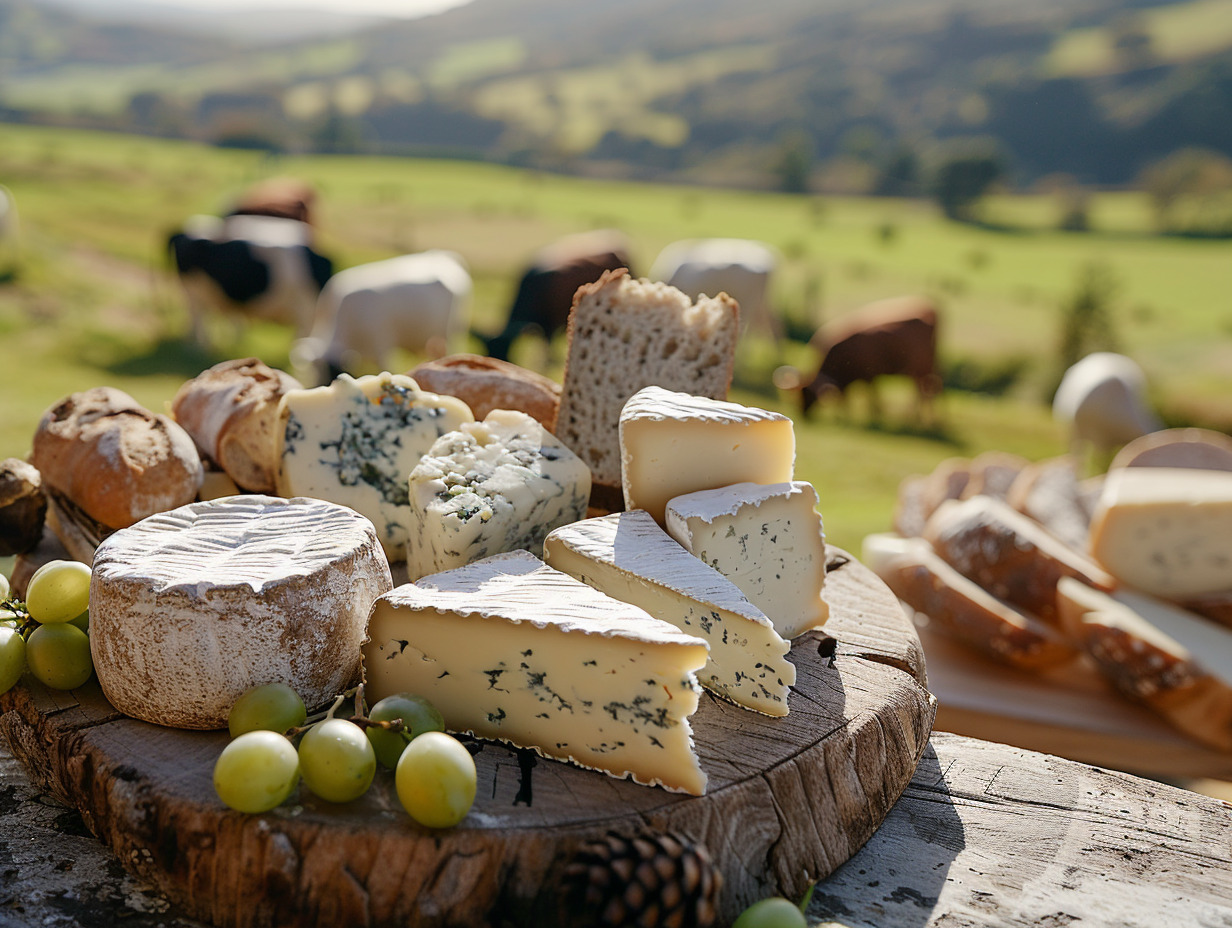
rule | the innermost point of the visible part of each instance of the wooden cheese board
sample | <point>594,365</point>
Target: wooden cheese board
<point>789,800</point>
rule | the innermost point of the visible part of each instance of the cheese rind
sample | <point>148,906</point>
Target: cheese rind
<point>627,556</point>
<point>766,539</point>
<point>491,487</point>
<point>191,608</point>
<point>675,443</point>
<point>356,442</point>
<point>1166,531</point>
<point>508,648</point>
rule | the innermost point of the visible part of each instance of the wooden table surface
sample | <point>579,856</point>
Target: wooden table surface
<point>984,835</point>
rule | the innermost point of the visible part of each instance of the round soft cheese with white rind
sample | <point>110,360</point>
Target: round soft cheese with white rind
<point>191,608</point>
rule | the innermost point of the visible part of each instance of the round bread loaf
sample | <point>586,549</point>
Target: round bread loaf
<point>189,609</point>
<point>231,411</point>
<point>485,384</point>
<point>1201,449</point>
<point>114,459</point>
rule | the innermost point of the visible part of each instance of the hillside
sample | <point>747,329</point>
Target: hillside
<point>834,96</point>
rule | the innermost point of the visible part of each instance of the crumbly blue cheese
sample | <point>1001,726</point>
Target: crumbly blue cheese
<point>766,539</point>
<point>490,487</point>
<point>356,442</point>
<point>627,556</point>
<point>510,649</point>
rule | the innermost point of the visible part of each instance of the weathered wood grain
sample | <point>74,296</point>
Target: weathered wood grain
<point>987,835</point>
<point>789,799</point>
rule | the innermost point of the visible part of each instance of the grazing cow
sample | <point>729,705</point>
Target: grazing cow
<point>1102,402</point>
<point>280,197</point>
<point>545,293</point>
<point>8,233</point>
<point>254,266</point>
<point>889,337</point>
<point>417,302</point>
<point>738,267</point>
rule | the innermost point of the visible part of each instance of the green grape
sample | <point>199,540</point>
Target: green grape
<point>82,621</point>
<point>417,715</point>
<point>4,587</point>
<point>272,707</point>
<point>59,591</point>
<point>436,780</point>
<point>775,912</point>
<point>59,656</point>
<point>256,772</point>
<point>12,657</point>
<point>9,617</point>
<point>336,760</point>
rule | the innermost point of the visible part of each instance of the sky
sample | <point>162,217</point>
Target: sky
<point>406,8</point>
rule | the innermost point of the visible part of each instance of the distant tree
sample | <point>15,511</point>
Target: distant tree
<point>1189,172</point>
<point>794,165</point>
<point>899,174</point>
<point>337,134</point>
<point>1132,43</point>
<point>1086,316</point>
<point>964,175</point>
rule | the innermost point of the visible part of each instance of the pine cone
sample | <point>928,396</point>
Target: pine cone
<point>653,880</point>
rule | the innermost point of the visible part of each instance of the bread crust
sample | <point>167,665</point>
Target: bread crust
<point>485,384</point>
<point>231,411</point>
<point>114,459</point>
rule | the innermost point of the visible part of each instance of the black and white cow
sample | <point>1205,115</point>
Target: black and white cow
<point>249,266</point>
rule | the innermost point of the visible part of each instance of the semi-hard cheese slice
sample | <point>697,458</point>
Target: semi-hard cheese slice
<point>1165,530</point>
<point>491,487</point>
<point>675,443</point>
<point>356,442</point>
<point>627,556</point>
<point>508,648</point>
<point>191,608</point>
<point>766,539</point>
<point>1173,661</point>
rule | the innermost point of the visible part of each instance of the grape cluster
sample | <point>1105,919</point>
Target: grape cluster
<point>48,633</point>
<point>337,758</point>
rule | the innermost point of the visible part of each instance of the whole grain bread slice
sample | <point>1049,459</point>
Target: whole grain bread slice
<point>625,334</point>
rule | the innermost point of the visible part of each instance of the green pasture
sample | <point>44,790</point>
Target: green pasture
<point>90,301</point>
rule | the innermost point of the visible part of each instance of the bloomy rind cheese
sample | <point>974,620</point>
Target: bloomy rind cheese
<point>1166,531</point>
<point>191,608</point>
<point>490,487</point>
<point>766,539</point>
<point>675,443</point>
<point>356,442</point>
<point>510,649</point>
<point>629,557</point>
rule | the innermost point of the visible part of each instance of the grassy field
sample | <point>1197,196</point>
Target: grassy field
<point>91,301</point>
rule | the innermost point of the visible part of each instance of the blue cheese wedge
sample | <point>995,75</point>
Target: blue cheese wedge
<point>675,443</point>
<point>490,487</point>
<point>766,539</point>
<point>627,556</point>
<point>356,442</point>
<point>510,649</point>
<point>1166,530</point>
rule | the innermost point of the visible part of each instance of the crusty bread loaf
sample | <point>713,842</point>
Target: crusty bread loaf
<point>231,411</point>
<point>992,473</point>
<point>1009,555</point>
<point>1176,663</point>
<point>964,610</point>
<point>114,459</point>
<point>485,384</point>
<point>1051,493</point>
<point>23,506</point>
<point>1203,449</point>
<point>626,334</point>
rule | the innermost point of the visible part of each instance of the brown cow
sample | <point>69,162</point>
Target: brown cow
<point>895,336</point>
<point>545,293</point>
<point>280,197</point>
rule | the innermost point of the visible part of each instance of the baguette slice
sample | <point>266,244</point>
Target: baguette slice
<point>1176,663</point>
<point>961,608</point>
<point>1051,493</point>
<point>1203,449</point>
<point>1009,555</point>
<point>626,334</point>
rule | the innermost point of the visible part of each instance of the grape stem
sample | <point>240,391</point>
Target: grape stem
<point>18,608</point>
<point>359,718</point>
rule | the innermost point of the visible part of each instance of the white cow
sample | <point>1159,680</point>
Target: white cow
<point>1102,401</point>
<point>417,302</point>
<point>741,268</point>
<point>8,233</point>
<point>249,266</point>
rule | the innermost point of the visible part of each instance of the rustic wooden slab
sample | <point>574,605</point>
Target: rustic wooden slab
<point>987,834</point>
<point>789,799</point>
<point>1069,711</point>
